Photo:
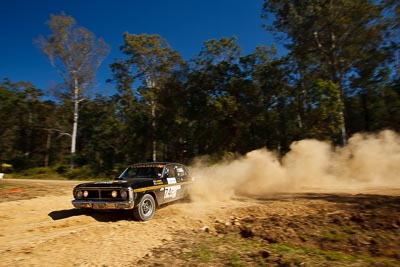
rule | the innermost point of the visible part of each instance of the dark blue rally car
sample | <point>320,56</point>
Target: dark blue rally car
<point>141,188</point>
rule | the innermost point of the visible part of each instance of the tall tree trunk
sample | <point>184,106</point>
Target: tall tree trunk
<point>48,146</point>
<point>336,76</point>
<point>342,125</point>
<point>75,123</point>
<point>153,105</point>
<point>153,126</point>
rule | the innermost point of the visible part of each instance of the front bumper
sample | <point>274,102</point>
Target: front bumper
<point>101,205</point>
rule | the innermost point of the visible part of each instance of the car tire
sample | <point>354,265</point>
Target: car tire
<point>144,211</point>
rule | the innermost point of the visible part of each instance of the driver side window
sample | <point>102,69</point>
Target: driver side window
<point>170,172</point>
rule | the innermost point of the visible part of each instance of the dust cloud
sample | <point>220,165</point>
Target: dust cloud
<point>367,161</point>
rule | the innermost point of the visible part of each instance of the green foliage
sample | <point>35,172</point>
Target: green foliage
<point>217,51</point>
<point>326,110</point>
<point>341,41</point>
<point>6,168</point>
<point>150,59</point>
<point>81,173</point>
<point>24,118</point>
<point>153,57</point>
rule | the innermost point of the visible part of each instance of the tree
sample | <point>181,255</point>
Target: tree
<point>75,53</point>
<point>24,118</point>
<point>211,103</point>
<point>220,50</point>
<point>273,116</point>
<point>9,127</point>
<point>331,40</point>
<point>102,139</point>
<point>151,60</point>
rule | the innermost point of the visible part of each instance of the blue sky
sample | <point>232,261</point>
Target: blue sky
<point>185,24</point>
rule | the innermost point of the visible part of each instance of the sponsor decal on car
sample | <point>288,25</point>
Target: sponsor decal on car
<point>171,180</point>
<point>170,192</point>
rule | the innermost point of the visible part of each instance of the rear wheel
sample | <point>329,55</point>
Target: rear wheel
<point>144,211</point>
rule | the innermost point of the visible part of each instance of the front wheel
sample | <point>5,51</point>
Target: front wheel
<point>144,211</point>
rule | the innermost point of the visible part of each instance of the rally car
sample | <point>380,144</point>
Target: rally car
<point>141,188</point>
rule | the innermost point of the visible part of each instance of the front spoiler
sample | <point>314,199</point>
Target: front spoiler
<point>103,205</point>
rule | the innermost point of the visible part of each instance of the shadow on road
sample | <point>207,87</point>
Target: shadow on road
<point>63,214</point>
<point>101,216</point>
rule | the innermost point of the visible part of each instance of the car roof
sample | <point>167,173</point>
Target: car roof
<point>155,164</point>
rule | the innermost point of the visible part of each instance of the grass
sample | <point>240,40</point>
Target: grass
<point>315,256</point>
<point>333,236</point>
<point>235,260</point>
<point>203,253</point>
<point>232,250</point>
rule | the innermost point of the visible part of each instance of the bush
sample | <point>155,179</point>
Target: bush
<point>60,172</point>
<point>6,168</point>
<point>82,173</point>
<point>61,169</point>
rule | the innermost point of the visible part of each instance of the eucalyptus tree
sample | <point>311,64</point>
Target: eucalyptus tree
<point>216,51</point>
<point>272,98</point>
<point>216,87</point>
<point>332,40</point>
<point>151,60</point>
<point>76,53</point>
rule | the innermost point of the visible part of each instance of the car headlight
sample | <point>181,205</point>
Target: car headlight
<point>79,194</point>
<point>124,194</point>
<point>85,193</point>
<point>114,193</point>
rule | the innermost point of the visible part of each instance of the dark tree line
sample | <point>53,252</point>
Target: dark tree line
<point>340,76</point>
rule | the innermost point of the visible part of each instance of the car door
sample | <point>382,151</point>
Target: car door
<point>183,178</point>
<point>173,189</point>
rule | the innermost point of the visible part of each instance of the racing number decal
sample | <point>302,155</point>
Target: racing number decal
<point>170,192</point>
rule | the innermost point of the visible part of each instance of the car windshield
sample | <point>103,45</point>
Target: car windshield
<point>143,171</point>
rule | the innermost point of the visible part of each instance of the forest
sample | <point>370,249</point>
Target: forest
<point>340,76</point>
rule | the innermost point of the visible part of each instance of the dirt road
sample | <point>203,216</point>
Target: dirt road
<point>47,231</point>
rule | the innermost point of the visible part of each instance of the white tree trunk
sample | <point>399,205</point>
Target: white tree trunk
<point>75,123</point>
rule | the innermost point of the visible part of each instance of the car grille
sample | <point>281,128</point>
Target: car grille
<point>101,193</point>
